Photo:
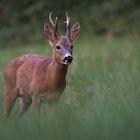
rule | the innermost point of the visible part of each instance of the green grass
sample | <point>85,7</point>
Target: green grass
<point>101,100</point>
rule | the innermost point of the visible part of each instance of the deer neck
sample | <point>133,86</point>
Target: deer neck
<point>57,74</point>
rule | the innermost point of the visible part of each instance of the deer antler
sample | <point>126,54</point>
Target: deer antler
<point>68,25</point>
<point>54,24</point>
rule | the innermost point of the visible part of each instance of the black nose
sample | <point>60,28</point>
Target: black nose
<point>68,59</point>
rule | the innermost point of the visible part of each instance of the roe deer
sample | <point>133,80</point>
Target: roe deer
<point>35,78</point>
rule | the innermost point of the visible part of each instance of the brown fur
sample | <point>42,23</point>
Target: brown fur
<point>35,78</point>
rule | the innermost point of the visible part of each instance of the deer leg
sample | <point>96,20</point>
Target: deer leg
<point>24,104</point>
<point>36,105</point>
<point>9,101</point>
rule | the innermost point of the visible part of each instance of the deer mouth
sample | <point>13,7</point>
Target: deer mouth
<point>65,63</point>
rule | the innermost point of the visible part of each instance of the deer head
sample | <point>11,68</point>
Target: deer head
<point>62,45</point>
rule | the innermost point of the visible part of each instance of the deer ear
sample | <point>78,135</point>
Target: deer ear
<point>74,31</point>
<point>49,32</point>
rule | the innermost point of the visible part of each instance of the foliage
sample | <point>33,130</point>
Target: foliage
<point>21,19</point>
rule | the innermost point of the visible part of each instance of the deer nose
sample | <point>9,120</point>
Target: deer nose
<point>68,59</point>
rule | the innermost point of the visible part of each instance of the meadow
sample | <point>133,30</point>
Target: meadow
<point>101,100</point>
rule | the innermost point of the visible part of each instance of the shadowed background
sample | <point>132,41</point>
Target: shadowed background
<point>25,19</point>
<point>102,97</point>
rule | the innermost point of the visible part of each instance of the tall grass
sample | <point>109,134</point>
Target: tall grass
<point>101,100</point>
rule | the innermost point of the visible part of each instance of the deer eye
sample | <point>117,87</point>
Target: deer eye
<point>71,46</point>
<point>58,47</point>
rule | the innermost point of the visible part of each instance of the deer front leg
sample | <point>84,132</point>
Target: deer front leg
<point>24,104</point>
<point>36,104</point>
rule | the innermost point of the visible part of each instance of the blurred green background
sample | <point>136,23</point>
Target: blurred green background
<point>22,20</point>
<point>102,97</point>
